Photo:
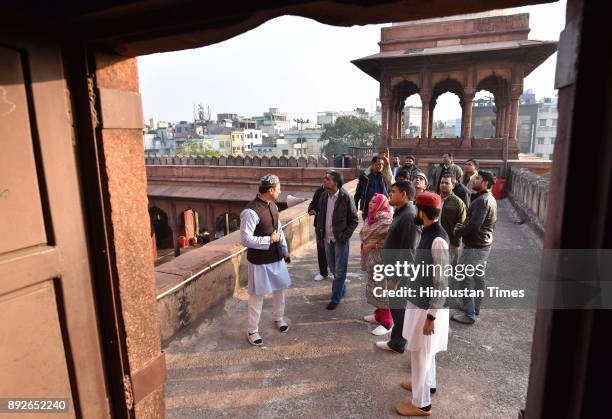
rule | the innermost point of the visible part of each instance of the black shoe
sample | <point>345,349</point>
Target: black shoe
<point>332,305</point>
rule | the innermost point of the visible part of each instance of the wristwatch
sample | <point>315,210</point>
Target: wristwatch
<point>430,317</point>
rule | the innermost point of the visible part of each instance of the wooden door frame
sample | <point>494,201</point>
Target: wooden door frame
<point>79,65</point>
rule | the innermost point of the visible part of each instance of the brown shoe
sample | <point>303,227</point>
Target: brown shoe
<point>407,384</point>
<point>408,409</point>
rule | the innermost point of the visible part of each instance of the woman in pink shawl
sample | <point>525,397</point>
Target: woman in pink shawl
<point>373,236</point>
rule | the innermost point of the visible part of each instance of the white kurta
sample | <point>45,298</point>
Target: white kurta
<point>414,318</point>
<point>270,277</point>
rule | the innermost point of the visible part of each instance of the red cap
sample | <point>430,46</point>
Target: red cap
<point>429,199</point>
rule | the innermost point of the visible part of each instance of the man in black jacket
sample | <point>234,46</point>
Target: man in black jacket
<point>337,220</point>
<point>460,190</point>
<point>313,208</point>
<point>400,245</point>
<point>477,234</point>
<point>376,179</point>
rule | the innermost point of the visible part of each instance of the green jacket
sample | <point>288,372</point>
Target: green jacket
<point>453,212</point>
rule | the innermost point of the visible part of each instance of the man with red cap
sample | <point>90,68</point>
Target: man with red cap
<point>425,320</point>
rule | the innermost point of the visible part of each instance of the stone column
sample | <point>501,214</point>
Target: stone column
<point>210,219</point>
<point>497,120</point>
<point>514,117</point>
<point>506,119</point>
<point>385,104</point>
<point>398,120</point>
<point>466,122</point>
<point>462,130</point>
<point>402,126</point>
<point>430,123</point>
<point>391,128</point>
<point>424,117</point>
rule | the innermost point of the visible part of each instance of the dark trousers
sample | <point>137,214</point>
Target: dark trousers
<point>322,260</point>
<point>397,341</point>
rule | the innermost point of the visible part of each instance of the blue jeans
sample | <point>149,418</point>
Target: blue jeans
<point>471,305</point>
<point>337,255</point>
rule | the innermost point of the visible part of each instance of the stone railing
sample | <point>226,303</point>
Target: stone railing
<point>490,148</point>
<point>529,194</point>
<point>258,161</point>
<point>494,165</point>
<point>203,279</point>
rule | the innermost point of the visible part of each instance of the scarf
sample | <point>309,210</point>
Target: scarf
<point>382,204</point>
<point>377,226</point>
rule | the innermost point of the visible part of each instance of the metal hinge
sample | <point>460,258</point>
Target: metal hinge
<point>129,394</point>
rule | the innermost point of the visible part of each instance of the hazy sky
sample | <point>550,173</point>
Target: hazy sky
<point>299,66</point>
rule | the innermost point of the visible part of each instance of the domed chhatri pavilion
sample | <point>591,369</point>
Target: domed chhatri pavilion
<point>461,55</point>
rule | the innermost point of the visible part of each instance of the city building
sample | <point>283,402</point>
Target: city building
<point>224,143</point>
<point>221,117</point>
<point>412,121</point>
<point>186,129</point>
<point>272,122</point>
<point>263,149</point>
<point>546,128</point>
<point>528,96</point>
<point>305,142</point>
<point>284,147</point>
<point>251,137</point>
<point>446,129</point>
<point>327,117</point>
<point>237,138</point>
<point>245,123</point>
<point>357,113</point>
<point>484,118</point>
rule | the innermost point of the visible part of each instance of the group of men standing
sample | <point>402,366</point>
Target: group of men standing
<point>430,223</point>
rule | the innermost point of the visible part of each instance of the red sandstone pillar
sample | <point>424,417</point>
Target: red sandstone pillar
<point>424,118</point>
<point>514,113</point>
<point>497,120</point>
<point>400,120</point>
<point>466,122</point>
<point>507,109</point>
<point>210,220</point>
<point>430,123</point>
<point>391,123</point>
<point>395,133</point>
<point>385,104</point>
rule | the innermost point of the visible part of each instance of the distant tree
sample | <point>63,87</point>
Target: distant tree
<point>194,148</point>
<point>350,131</point>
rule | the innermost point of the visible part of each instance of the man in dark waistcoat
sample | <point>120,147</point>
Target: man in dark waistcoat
<point>267,256</point>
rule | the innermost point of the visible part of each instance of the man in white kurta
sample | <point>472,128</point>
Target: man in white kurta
<point>425,320</point>
<point>267,277</point>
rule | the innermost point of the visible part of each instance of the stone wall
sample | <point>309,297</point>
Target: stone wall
<point>235,177</point>
<point>193,284</point>
<point>529,194</point>
<point>258,161</point>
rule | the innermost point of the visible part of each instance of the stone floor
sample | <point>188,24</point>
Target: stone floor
<point>327,365</point>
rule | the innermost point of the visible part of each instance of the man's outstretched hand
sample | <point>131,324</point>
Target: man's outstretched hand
<point>275,237</point>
